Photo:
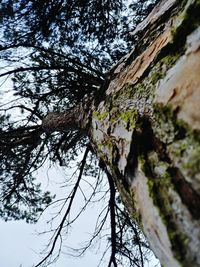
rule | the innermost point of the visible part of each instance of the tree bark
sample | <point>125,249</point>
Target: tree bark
<point>146,130</point>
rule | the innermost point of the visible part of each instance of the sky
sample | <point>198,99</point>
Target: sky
<point>20,247</point>
<point>20,244</point>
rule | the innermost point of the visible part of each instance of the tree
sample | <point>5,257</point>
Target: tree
<point>54,63</point>
<point>138,117</point>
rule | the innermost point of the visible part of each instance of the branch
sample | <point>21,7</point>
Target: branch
<point>20,131</point>
<point>33,112</point>
<point>19,178</point>
<point>112,222</point>
<point>129,222</point>
<point>59,229</point>
<point>23,136</point>
<point>34,68</point>
<point>96,80</point>
<point>73,61</point>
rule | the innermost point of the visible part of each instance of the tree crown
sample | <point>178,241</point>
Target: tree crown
<point>56,53</point>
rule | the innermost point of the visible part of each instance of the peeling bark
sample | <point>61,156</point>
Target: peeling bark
<point>181,85</point>
<point>146,130</point>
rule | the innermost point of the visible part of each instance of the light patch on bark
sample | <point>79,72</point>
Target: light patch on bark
<point>153,226</point>
<point>181,86</point>
<point>187,225</point>
<point>155,15</point>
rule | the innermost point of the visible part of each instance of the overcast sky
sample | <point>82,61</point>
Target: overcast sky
<point>20,244</point>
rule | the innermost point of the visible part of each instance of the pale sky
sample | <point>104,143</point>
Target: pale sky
<point>20,244</point>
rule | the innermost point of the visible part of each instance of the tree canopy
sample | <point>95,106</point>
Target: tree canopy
<point>56,53</point>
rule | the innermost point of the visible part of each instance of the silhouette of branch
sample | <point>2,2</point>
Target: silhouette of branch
<point>96,80</point>
<point>74,61</point>
<point>60,227</point>
<point>112,222</point>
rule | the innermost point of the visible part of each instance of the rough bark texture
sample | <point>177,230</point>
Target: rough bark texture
<point>77,118</point>
<point>146,130</point>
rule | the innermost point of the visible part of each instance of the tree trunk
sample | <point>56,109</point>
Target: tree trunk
<point>146,130</point>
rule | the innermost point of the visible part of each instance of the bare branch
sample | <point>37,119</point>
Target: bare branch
<point>95,80</point>
<point>112,222</point>
<point>73,61</point>
<point>60,227</point>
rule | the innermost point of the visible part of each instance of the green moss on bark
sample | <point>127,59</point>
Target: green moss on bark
<point>182,143</point>
<point>100,115</point>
